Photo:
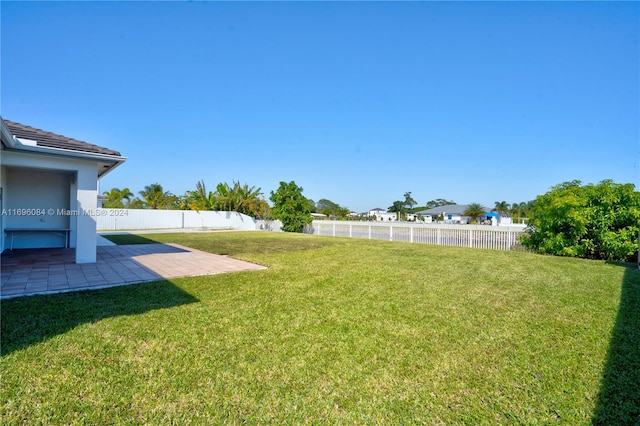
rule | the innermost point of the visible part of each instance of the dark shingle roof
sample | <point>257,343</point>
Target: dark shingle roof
<point>53,140</point>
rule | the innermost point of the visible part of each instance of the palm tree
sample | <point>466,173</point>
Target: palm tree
<point>514,210</point>
<point>200,199</point>
<point>117,198</point>
<point>237,197</point>
<point>224,197</point>
<point>474,211</point>
<point>154,197</point>
<point>247,198</point>
<point>501,207</point>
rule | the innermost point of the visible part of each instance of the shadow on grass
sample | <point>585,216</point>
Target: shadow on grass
<point>125,239</point>
<point>30,320</point>
<point>619,399</point>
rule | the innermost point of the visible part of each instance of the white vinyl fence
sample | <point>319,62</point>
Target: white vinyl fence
<point>475,236</point>
<point>128,219</point>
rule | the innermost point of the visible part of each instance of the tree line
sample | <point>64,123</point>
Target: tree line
<point>289,205</point>
<point>592,221</point>
<point>250,200</point>
<point>241,198</point>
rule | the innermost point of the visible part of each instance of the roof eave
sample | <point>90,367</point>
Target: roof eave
<point>110,168</point>
<point>70,153</point>
<point>112,161</point>
<point>6,135</point>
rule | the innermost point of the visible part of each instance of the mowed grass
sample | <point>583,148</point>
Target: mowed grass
<point>336,331</point>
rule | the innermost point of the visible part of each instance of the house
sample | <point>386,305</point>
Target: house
<point>49,189</point>
<point>452,213</point>
<point>375,212</point>
<point>381,215</point>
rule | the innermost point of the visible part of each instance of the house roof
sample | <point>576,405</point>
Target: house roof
<point>457,209</point>
<point>19,137</point>
<point>52,140</point>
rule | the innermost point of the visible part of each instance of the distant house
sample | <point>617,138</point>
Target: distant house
<point>452,213</point>
<point>49,189</point>
<point>382,215</point>
<point>375,212</point>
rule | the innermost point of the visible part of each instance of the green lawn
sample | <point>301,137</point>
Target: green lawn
<point>336,331</point>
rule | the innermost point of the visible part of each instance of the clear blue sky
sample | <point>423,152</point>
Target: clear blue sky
<point>357,102</point>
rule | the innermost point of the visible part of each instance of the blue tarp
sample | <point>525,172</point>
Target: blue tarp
<point>493,214</point>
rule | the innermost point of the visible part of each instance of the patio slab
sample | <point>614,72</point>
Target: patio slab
<point>43,271</point>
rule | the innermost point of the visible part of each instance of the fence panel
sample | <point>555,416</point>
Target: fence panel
<point>126,219</point>
<point>475,236</point>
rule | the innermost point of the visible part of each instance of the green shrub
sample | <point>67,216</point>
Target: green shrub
<point>591,221</point>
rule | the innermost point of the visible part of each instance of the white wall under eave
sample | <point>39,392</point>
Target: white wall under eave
<point>3,182</point>
<point>87,198</point>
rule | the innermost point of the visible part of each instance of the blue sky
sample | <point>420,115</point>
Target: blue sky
<point>357,102</point>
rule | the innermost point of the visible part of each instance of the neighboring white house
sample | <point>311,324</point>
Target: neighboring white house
<point>375,212</point>
<point>382,215</point>
<point>49,189</point>
<point>415,217</point>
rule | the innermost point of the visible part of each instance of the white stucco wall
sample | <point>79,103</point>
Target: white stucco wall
<point>3,181</point>
<point>87,201</point>
<point>29,196</point>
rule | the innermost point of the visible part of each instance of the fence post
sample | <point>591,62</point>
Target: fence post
<point>508,239</point>
<point>350,230</point>
<point>334,229</point>
<point>439,237</point>
<point>470,238</point>
<point>411,234</point>
<point>370,233</point>
<point>390,233</point>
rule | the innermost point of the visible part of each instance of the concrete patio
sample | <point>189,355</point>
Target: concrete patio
<point>46,271</point>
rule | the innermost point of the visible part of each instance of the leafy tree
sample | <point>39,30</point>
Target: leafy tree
<point>312,206</point>
<point>117,198</point>
<point>593,221</point>
<point>397,207</point>
<point>474,211</point>
<point>433,203</point>
<point>409,202</point>
<point>331,209</point>
<point>290,207</point>
<point>327,207</point>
